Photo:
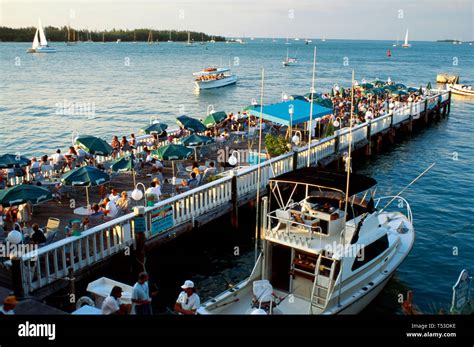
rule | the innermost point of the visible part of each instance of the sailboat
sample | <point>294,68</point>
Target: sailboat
<point>189,43</point>
<point>40,45</point>
<point>150,37</point>
<point>406,44</point>
<point>103,37</point>
<point>212,40</point>
<point>89,40</point>
<point>287,43</point>
<point>324,39</point>
<point>289,61</point>
<point>170,38</point>
<point>134,37</point>
<point>202,39</point>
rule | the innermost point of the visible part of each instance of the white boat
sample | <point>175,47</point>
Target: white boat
<point>313,259</point>
<point>150,38</point>
<point>118,41</point>
<point>324,39</point>
<point>40,45</point>
<point>406,44</point>
<point>189,43</point>
<point>289,61</point>
<point>396,44</point>
<point>214,78</point>
<point>461,89</point>
<point>170,40</point>
<point>308,41</point>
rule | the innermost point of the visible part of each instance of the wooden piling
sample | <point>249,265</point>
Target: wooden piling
<point>17,277</point>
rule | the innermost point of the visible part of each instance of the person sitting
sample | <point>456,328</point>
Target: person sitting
<point>9,304</point>
<point>37,236</point>
<point>96,218</point>
<point>113,305</point>
<point>113,196</point>
<point>154,190</point>
<point>133,141</point>
<point>109,208</point>
<point>123,203</point>
<point>195,169</point>
<point>71,157</point>
<point>189,184</point>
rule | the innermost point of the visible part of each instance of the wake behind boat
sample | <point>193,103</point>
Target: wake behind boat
<point>214,78</point>
<point>328,262</point>
<point>40,44</point>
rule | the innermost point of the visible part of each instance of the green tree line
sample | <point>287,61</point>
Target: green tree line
<point>61,34</point>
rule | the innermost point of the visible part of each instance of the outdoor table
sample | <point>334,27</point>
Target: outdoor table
<point>83,211</point>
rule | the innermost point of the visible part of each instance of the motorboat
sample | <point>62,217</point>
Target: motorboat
<point>447,78</point>
<point>214,78</point>
<point>40,44</point>
<point>325,249</point>
<point>461,89</point>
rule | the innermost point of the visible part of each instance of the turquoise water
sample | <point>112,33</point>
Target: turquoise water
<point>128,83</point>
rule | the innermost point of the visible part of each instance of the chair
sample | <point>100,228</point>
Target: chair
<point>263,295</point>
<point>52,226</point>
<point>181,170</point>
<point>284,217</point>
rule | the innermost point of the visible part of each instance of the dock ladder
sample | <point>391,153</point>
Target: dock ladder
<point>322,285</point>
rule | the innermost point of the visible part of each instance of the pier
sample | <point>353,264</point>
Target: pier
<point>42,273</point>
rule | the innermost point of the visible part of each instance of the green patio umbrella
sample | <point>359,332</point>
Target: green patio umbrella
<point>85,176</point>
<point>191,124</point>
<point>332,93</point>
<point>157,128</point>
<point>390,88</point>
<point>251,107</point>
<point>378,83</point>
<point>124,164</point>
<point>94,145</point>
<point>24,193</point>
<point>399,93</point>
<point>412,90</point>
<point>172,152</point>
<point>195,141</point>
<point>400,86</point>
<point>324,102</point>
<point>13,160</point>
<point>420,91</point>
<point>342,92</point>
<point>214,118</point>
<point>366,86</point>
<point>308,96</point>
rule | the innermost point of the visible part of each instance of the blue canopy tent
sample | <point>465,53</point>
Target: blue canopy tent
<point>279,113</point>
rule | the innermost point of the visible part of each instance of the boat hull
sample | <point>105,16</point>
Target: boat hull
<point>455,89</point>
<point>216,83</point>
<point>41,50</point>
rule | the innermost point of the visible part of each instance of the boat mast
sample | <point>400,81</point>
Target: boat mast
<point>257,226</point>
<point>312,91</point>
<point>346,198</point>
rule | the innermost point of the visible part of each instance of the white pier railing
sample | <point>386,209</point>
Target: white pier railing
<point>53,262</point>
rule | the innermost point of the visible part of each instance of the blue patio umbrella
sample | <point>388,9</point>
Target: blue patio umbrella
<point>13,160</point>
<point>191,124</point>
<point>23,193</point>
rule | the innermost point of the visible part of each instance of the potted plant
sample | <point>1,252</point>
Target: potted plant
<point>276,145</point>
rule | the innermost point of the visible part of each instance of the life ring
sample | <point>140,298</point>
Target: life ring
<point>84,300</point>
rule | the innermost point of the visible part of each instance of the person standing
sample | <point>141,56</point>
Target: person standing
<point>188,301</point>
<point>113,305</point>
<point>141,295</point>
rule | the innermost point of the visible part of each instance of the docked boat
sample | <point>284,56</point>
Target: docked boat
<point>326,249</point>
<point>40,44</point>
<point>461,89</point>
<point>447,78</point>
<point>289,61</point>
<point>214,78</point>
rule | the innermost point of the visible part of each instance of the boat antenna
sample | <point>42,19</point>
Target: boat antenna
<point>407,186</point>
<point>346,198</point>
<point>312,91</point>
<point>257,238</point>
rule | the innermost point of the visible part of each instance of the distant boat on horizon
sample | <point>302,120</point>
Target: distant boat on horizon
<point>397,44</point>
<point>169,40</point>
<point>150,37</point>
<point>189,43</point>
<point>40,45</point>
<point>323,39</point>
<point>406,44</point>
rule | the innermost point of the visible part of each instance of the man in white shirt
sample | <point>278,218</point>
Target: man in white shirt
<point>58,157</point>
<point>114,196</point>
<point>111,209</point>
<point>9,304</point>
<point>188,301</point>
<point>112,303</point>
<point>154,190</point>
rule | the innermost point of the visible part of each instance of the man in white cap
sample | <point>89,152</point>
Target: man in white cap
<point>188,301</point>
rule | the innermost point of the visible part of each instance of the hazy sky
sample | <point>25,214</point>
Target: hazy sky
<point>352,19</point>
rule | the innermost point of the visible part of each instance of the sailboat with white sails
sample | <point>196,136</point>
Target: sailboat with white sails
<point>406,44</point>
<point>40,44</point>
<point>189,43</point>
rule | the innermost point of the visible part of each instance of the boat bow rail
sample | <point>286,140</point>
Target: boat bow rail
<point>52,262</point>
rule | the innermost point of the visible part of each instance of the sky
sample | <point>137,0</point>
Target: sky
<point>426,20</point>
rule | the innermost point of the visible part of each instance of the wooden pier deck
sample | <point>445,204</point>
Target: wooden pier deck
<point>38,274</point>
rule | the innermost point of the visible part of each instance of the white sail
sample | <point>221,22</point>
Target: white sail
<point>406,38</point>
<point>35,41</point>
<point>43,41</point>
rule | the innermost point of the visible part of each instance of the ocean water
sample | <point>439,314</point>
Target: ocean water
<point>126,84</point>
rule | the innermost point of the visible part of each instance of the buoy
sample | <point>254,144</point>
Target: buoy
<point>389,54</point>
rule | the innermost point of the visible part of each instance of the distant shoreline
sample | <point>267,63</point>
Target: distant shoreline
<point>65,34</point>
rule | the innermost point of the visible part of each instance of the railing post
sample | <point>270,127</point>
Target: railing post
<point>234,217</point>
<point>368,151</point>
<point>295,159</point>
<point>426,111</point>
<point>17,277</point>
<point>449,103</point>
